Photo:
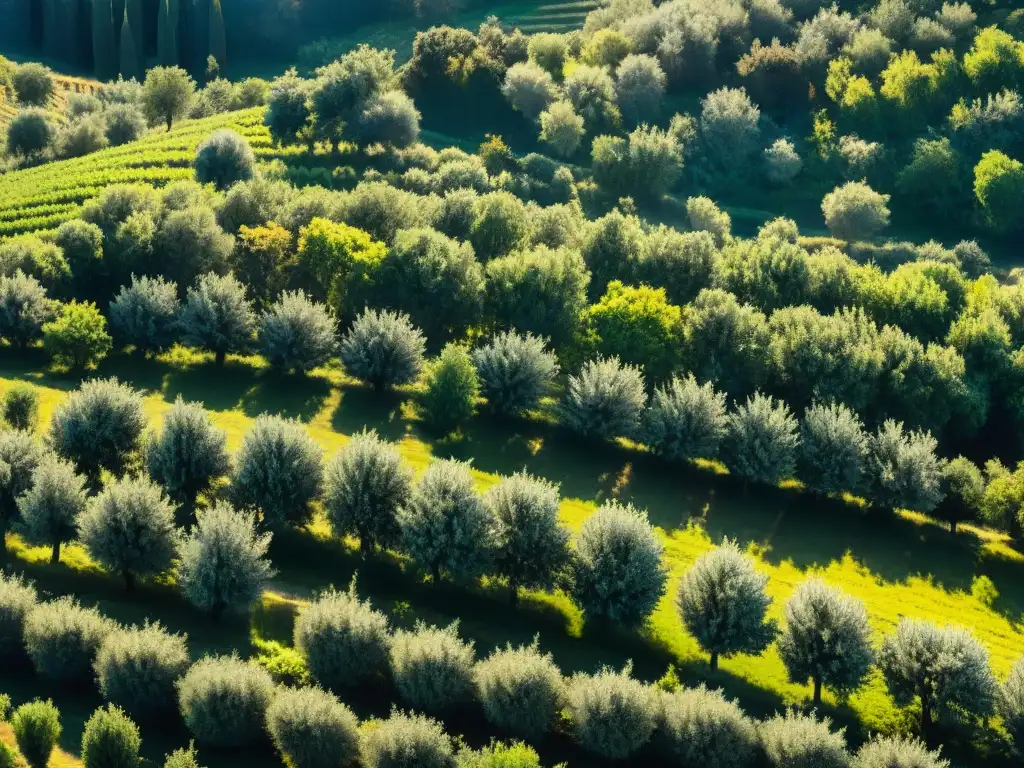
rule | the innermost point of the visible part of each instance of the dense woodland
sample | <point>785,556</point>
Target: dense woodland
<point>579,268</point>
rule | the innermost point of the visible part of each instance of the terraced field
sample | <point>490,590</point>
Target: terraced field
<point>58,102</point>
<point>39,199</point>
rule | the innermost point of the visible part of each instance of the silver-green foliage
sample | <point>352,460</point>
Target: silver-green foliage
<point>1011,704</point>
<point>722,602</point>
<point>365,485</point>
<point>222,562</point>
<point>62,639</point>
<point>827,638</point>
<point>99,427</point>
<point>297,334</point>
<point>17,599</point>
<point>701,728</point>
<point>903,469</point>
<point>610,713</point>
<point>50,508</point>
<point>189,454</point>
<point>20,407</point>
<point>20,453</point>
<point>223,701</point>
<point>217,316</point>
<point>445,527</point>
<point>110,740</point>
<point>406,741</point>
<point>761,441</point>
<point>685,420</point>
<point>129,529</point>
<point>894,752</point>
<point>36,727</point>
<point>24,309</point>
<point>945,668</point>
<point>616,572</point>
<point>531,548</point>
<point>515,371</point>
<point>605,400</point>
<point>278,472</point>
<point>144,314</point>
<point>521,690</point>
<point>343,639</point>
<point>383,349</point>
<point>802,741</point>
<point>432,668</point>
<point>223,159</point>
<point>137,668</point>
<point>833,449</point>
<point>312,729</point>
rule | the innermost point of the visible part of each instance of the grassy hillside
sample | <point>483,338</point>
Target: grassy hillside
<point>64,85</point>
<point>43,197</point>
<point>905,566</point>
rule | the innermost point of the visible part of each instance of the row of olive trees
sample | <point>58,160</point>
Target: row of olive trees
<point>346,644</point>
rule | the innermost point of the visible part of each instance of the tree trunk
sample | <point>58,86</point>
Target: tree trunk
<point>714,661</point>
<point>817,691</point>
<point>365,546</point>
<point>55,555</point>
<point>435,572</point>
<point>221,356</point>
<point>170,121</point>
<point>926,721</point>
<point>129,581</point>
<point>952,526</point>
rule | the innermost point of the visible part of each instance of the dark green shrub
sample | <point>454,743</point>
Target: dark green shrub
<point>452,387</point>
<point>36,729</point>
<point>610,713</point>
<point>17,600</point>
<point>406,741</point>
<point>110,740</point>
<point>20,408</point>
<point>432,668</point>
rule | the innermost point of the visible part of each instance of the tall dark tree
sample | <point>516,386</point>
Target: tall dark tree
<point>167,33</point>
<point>218,36</point>
<point>135,19</point>
<point>129,63</point>
<point>104,48</point>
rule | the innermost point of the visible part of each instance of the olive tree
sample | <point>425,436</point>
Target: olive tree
<point>189,454</point>
<point>685,420</point>
<point>515,371</point>
<point>297,334</point>
<point>562,129</point>
<point>529,89</point>
<point>855,211</point>
<point>943,669</point>
<point>1011,704</point>
<point>345,641</point>
<point>129,530</point>
<point>223,701</point>
<point>312,729</point>
<point>700,727</point>
<point>136,669</point>
<point>36,727</point>
<point>365,486</point>
<point>406,740</point>
<point>99,427</point>
<point>110,739</point>
<point>33,83</point>
<point>20,454</point>
<point>833,449</point>
<point>217,315</point>
<point>610,713</point>
<point>761,441</point>
<point>722,602</point>
<point>30,133</point>
<point>432,668</point>
<point>616,574</point>
<point>390,119</point>
<point>795,740</point>
<point>827,639</point>
<point>24,309</point>
<point>51,506</point>
<point>894,752</point>
<point>144,314</point>
<point>278,472</point>
<point>531,548</point>
<point>383,349</point>
<point>903,469</point>
<point>730,131</point>
<point>77,337</point>
<point>640,89</point>
<point>222,561</point>
<point>605,400</point>
<point>17,599</point>
<point>62,639</point>
<point>445,527</point>
<point>963,489</point>
<point>19,407</point>
<point>521,689</point>
<point>223,159</point>
<point>167,95</point>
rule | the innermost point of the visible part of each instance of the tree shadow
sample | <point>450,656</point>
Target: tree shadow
<point>294,397</point>
<point>359,408</point>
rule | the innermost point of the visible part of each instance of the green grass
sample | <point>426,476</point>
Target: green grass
<point>905,566</point>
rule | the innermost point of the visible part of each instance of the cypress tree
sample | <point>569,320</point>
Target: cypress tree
<point>129,53</point>
<point>167,34</point>
<point>218,36</point>
<point>135,21</point>
<point>104,51</point>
